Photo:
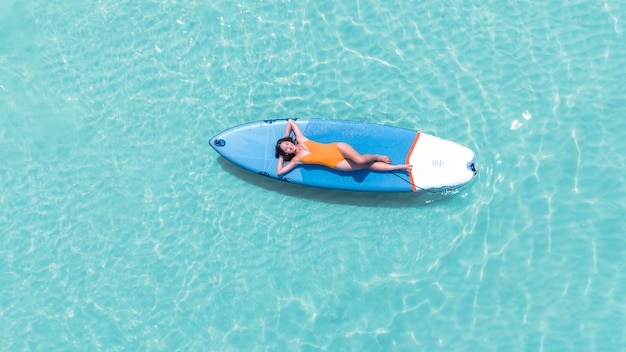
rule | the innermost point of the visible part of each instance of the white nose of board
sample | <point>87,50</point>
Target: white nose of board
<point>438,163</point>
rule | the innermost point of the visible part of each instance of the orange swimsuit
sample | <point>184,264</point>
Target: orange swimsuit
<point>323,154</point>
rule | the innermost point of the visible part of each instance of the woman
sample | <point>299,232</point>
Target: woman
<point>339,156</point>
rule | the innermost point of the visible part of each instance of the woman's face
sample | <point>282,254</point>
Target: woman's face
<point>288,147</point>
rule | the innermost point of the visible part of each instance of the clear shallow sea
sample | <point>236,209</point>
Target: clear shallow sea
<point>121,229</point>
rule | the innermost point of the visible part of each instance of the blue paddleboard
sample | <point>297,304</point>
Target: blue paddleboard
<point>437,163</point>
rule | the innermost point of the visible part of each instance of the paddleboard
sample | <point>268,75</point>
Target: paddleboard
<point>437,163</point>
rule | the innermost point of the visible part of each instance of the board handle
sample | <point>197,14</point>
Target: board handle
<point>472,166</point>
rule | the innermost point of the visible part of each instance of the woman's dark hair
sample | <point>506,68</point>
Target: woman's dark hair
<point>280,151</point>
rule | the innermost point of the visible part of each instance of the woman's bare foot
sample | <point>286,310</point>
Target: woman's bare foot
<point>401,167</point>
<point>384,159</point>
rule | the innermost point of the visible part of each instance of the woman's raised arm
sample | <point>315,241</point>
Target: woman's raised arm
<point>292,126</point>
<point>282,168</point>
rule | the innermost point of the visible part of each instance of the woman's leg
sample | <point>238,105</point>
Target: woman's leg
<point>356,161</point>
<point>362,159</point>
<point>380,166</point>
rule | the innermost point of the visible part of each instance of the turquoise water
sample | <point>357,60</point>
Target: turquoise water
<point>121,229</point>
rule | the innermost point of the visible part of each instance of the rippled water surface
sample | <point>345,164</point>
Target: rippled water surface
<point>121,229</point>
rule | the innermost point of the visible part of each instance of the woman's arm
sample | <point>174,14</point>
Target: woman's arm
<point>282,168</point>
<point>292,126</point>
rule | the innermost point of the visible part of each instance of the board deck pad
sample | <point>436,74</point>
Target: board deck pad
<point>437,163</point>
